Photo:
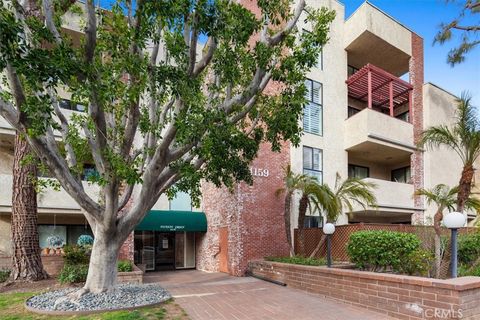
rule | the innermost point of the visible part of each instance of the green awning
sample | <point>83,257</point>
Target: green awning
<point>167,220</point>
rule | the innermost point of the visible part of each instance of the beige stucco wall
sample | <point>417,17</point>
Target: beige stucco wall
<point>333,78</point>
<point>441,165</point>
<point>368,18</point>
<point>368,122</point>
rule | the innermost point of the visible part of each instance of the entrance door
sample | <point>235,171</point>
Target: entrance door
<point>223,254</point>
<point>165,250</point>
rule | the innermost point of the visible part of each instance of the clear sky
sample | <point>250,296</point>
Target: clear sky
<point>423,17</point>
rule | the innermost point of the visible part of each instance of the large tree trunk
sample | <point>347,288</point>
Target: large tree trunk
<point>302,210</point>
<point>102,271</point>
<point>464,187</point>
<point>26,255</point>
<point>438,232</point>
<point>287,215</point>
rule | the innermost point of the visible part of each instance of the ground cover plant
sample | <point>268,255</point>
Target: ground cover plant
<point>299,260</point>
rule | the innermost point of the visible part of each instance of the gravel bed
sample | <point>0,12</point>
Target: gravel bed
<point>122,297</point>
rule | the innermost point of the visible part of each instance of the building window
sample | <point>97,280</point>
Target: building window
<point>351,70</point>
<point>352,111</point>
<point>405,116</point>
<point>313,163</point>
<point>313,222</point>
<point>358,172</point>
<point>313,110</point>
<point>401,175</point>
<point>70,105</point>
<point>181,202</point>
<point>68,233</point>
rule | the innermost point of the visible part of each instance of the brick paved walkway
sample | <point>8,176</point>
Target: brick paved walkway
<point>210,296</point>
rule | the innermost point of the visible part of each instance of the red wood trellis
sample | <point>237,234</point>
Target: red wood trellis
<point>379,89</point>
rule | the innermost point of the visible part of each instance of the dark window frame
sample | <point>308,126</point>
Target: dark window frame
<point>357,166</point>
<point>320,105</point>
<point>305,170</point>
<point>407,179</point>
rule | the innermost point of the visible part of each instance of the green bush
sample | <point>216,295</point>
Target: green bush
<point>4,274</point>
<point>74,255</point>
<point>125,266</point>
<point>298,260</point>
<point>381,250</point>
<point>418,263</point>
<point>469,247</point>
<point>73,273</point>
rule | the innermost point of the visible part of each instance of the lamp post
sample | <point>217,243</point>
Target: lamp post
<point>329,229</point>
<point>453,221</point>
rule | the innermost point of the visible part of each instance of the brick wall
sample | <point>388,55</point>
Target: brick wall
<point>398,296</point>
<point>252,214</point>
<point>126,250</point>
<point>416,79</point>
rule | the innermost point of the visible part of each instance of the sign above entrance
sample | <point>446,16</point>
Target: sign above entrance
<point>168,220</point>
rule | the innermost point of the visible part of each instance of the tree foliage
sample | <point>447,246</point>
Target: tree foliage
<point>174,93</point>
<point>468,33</point>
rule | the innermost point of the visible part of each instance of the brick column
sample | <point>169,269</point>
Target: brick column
<point>416,79</point>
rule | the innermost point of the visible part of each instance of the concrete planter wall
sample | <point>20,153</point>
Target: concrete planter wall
<point>398,296</point>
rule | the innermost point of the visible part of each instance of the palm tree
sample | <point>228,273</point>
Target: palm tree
<point>292,183</point>
<point>463,138</point>
<point>444,198</point>
<point>344,197</point>
<point>312,195</point>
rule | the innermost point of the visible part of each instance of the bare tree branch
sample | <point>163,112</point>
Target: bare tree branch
<point>210,48</point>
<point>279,36</point>
<point>48,13</point>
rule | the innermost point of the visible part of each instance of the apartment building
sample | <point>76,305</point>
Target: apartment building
<point>368,105</point>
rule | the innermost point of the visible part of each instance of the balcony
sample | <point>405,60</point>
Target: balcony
<point>395,203</point>
<point>49,200</point>
<point>372,136</point>
<point>372,36</point>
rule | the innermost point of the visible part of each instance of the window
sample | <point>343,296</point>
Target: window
<point>313,111</point>
<point>313,222</point>
<point>358,172</point>
<point>352,111</point>
<point>404,116</point>
<point>401,175</point>
<point>313,163</point>
<point>319,63</point>
<point>70,105</point>
<point>351,70</point>
<point>181,202</point>
<point>68,233</point>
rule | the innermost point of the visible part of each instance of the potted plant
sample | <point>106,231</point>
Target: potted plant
<point>55,243</point>
<point>85,240</point>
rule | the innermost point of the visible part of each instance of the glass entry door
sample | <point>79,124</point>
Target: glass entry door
<point>165,250</point>
<point>184,250</point>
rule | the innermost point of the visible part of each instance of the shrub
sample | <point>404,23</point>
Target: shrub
<point>125,266</point>
<point>418,262</point>
<point>4,274</point>
<point>73,273</point>
<point>85,240</point>
<point>298,260</point>
<point>469,247</point>
<point>381,250</point>
<point>74,255</point>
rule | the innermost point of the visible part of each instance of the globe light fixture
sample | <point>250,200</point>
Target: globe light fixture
<point>453,221</point>
<point>329,229</point>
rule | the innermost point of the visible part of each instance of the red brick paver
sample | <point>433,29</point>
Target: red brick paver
<point>210,296</point>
